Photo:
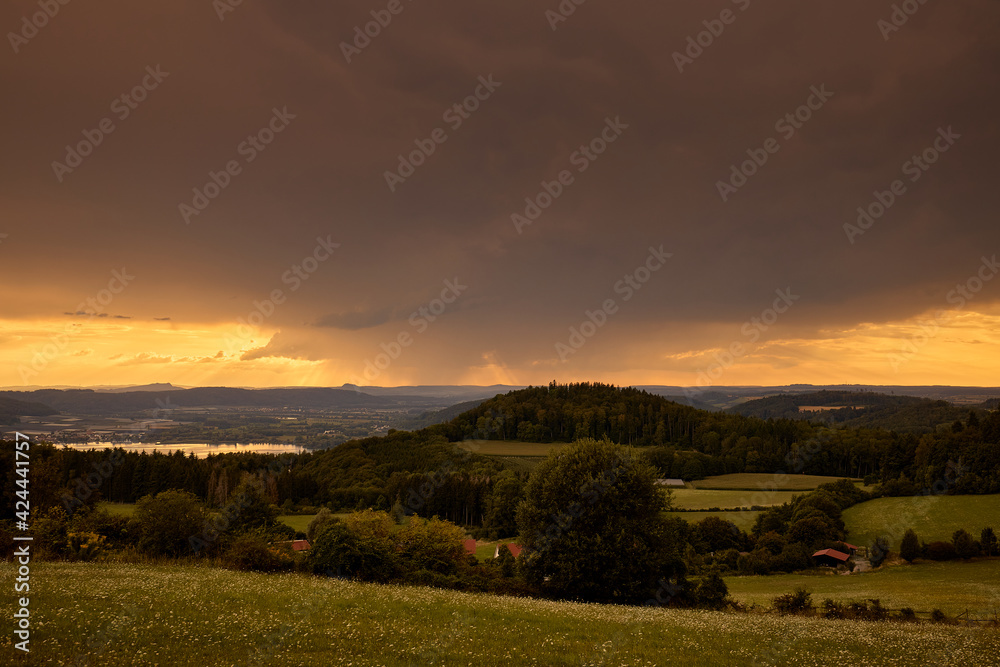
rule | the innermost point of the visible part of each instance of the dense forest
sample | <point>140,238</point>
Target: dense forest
<point>426,473</point>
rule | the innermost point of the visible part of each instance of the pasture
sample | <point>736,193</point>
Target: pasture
<point>755,481</point>
<point>951,587</point>
<point>703,499</point>
<point>932,517</point>
<point>104,613</point>
<point>742,520</point>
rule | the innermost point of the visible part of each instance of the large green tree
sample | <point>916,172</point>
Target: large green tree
<point>592,525</point>
<point>167,521</point>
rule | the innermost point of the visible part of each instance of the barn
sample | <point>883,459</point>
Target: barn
<point>830,557</point>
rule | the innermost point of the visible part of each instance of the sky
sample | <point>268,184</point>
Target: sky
<point>414,192</point>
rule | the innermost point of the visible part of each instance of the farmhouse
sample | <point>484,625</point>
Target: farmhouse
<point>470,546</point>
<point>515,549</point>
<point>298,545</point>
<point>848,548</point>
<point>830,557</point>
<point>673,483</point>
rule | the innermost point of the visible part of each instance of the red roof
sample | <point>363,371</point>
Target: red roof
<point>849,545</point>
<point>832,553</point>
<point>515,549</point>
<point>300,545</point>
<point>470,546</point>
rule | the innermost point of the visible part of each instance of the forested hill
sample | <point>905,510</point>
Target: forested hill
<point>563,413</point>
<point>11,408</point>
<point>691,443</point>
<point>905,414</point>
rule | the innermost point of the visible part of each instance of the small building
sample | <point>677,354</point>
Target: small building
<point>830,557</point>
<point>671,483</point>
<point>298,545</point>
<point>515,549</point>
<point>470,546</point>
<point>848,548</point>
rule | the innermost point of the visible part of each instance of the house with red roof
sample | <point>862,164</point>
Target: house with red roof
<point>515,549</point>
<point>830,557</point>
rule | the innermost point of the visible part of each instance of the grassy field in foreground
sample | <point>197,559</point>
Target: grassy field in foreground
<point>757,481</point>
<point>703,499</point>
<point>933,517</point>
<point>951,587</point>
<point>176,615</point>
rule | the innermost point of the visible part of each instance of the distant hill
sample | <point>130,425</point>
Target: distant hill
<point>87,401</point>
<point>904,414</point>
<point>11,409</point>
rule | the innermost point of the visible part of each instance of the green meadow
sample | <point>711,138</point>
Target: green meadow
<point>103,613</point>
<point>932,517</point>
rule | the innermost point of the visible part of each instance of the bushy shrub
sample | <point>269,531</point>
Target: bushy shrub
<point>167,521</point>
<point>341,552</point>
<point>832,609</point>
<point>712,592</point>
<point>941,551</point>
<point>253,551</point>
<point>938,616</point>
<point>799,602</point>
<point>84,546</point>
<point>907,614</point>
<point>318,523</point>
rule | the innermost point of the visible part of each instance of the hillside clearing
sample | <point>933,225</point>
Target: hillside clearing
<point>933,517</point>
<point>177,615</point>
<point>703,499</point>
<point>755,481</point>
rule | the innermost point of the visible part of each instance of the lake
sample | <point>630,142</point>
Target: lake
<point>200,450</point>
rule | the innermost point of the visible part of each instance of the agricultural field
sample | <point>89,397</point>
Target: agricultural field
<point>952,587</point>
<point>742,520</point>
<point>933,517</point>
<point>703,499</point>
<point>104,613</point>
<point>756,481</point>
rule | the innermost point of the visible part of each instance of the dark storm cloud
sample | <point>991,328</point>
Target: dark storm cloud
<point>557,89</point>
